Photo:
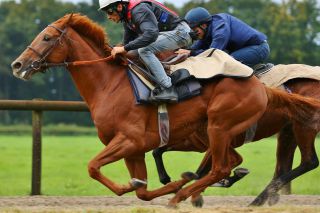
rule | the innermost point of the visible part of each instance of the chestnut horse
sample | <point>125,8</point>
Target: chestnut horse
<point>226,107</point>
<point>290,135</point>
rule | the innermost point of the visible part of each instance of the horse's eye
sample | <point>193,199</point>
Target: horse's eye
<point>46,38</point>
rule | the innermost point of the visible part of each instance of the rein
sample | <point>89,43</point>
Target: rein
<point>76,63</point>
<point>41,63</point>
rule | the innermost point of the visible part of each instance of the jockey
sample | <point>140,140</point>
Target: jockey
<point>149,27</point>
<point>225,32</point>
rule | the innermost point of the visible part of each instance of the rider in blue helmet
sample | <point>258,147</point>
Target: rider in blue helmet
<point>228,33</point>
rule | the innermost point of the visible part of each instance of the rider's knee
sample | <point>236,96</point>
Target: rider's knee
<point>144,51</point>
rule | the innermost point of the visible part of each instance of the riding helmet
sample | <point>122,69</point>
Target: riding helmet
<point>197,16</point>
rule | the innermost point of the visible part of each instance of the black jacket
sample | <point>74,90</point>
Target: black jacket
<point>145,25</point>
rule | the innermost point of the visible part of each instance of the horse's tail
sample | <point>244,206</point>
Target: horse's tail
<point>299,108</point>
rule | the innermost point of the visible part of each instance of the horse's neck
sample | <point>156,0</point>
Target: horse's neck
<point>93,81</point>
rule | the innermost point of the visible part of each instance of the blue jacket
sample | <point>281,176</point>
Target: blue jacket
<point>227,33</point>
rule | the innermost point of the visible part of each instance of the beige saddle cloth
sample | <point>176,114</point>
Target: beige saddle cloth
<point>282,73</point>
<point>218,63</point>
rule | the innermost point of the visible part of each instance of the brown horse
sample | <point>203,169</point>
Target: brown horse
<point>290,135</point>
<point>226,107</point>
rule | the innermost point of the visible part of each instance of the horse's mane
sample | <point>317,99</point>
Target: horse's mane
<point>88,28</point>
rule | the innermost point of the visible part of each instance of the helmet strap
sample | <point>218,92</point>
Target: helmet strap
<point>123,13</point>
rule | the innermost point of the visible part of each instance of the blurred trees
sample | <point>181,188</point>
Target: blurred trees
<point>292,27</point>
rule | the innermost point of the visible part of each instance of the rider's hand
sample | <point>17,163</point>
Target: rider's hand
<point>183,51</point>
<point>117,50</point>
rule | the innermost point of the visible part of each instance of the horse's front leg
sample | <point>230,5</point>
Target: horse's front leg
<point>119,147</point>
<point>138,171</point>
<point>220,168</point>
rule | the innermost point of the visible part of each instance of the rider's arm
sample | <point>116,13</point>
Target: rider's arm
<point>220,33</point>
<point>217,36</point>
<point>145,20</point>
<point>128,35</point>
<point>197,48</point>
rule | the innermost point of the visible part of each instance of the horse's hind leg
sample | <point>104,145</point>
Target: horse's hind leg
<point>285,151</point>
<point>157,155</point>
<point>196,142</point>
<point>233,108</point>
<point>204,168</point>
<point>285,154</point>
<point>305,139</point>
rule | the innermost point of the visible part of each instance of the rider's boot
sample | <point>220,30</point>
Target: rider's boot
<point>161,94</point>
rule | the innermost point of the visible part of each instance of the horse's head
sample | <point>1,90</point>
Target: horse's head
<point>48,47</point>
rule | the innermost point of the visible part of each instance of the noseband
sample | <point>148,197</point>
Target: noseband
<point>41,63</point>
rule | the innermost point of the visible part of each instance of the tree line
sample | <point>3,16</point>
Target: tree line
<point>292,27</point>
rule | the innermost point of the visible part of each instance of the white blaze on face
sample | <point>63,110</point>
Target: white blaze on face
<point>23,74</point>
<point>20,75</point>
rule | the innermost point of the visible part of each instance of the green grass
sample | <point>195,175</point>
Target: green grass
<point>65,158</point>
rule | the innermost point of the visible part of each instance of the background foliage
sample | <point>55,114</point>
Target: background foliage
<point>292,28</point>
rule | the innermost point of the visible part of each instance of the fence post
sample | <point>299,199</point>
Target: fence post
<point>36,152</point>
<point>38,106</point>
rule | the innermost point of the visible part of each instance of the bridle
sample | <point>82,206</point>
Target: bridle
<point>41,63</point>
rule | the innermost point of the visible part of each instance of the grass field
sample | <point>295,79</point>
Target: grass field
<point>65,158</point>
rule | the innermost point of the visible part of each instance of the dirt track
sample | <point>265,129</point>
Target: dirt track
<point>225,204</point>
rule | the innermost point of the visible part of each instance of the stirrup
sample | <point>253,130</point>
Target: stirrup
<point>164,95</point>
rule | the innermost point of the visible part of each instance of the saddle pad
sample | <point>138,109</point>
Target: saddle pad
<point>282,73</point>
<point>140,90</point>
<point>186,89</point>
<point>212,63</point>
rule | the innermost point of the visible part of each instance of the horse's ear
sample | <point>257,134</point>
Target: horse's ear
<point>66,24</point>
<point>69,19</point>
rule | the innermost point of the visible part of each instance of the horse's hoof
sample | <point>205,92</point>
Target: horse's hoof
<point>136,183</point>
<point>241,172</point>
<point>225,183</point>
<point>256,202</point>
<point>189,176</point>
<point>172,205</point>
<point>259,201</point>
<point>273,199</point>
<point>197,202</point>
<point>165,180</point>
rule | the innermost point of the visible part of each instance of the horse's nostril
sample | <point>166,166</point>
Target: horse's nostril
<point>16,65</point>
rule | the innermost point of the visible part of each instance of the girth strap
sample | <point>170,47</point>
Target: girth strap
<point>163,124</point>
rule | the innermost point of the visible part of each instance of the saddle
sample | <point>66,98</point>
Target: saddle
<point>186,72</point>
<point>143,82</point>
